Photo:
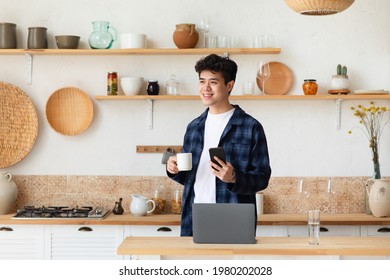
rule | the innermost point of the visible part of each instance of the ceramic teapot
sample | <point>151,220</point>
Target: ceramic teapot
<point>139,205</point>
<point>8,192</point>
<point>103,35</point>
<point>378,191</point>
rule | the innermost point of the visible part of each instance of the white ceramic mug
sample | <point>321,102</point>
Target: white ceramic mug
<point>139,205</point>
<point>184,161</point>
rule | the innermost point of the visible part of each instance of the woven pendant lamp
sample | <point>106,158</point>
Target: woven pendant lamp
<point>318,7</point>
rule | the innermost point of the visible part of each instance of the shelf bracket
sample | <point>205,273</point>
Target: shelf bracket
<point>149,116</point>
<point>29,68</point>
<point>338,113</point>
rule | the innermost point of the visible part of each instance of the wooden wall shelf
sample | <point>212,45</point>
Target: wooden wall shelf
<point>248,97</point>
<point>194,51</point>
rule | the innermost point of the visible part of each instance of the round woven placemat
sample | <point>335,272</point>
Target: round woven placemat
<point>69,111</point>
<point>18,124</point>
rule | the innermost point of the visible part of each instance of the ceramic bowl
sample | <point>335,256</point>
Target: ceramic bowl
<point>67,41</point>
<point>132,85</point>
<point>133,41</point>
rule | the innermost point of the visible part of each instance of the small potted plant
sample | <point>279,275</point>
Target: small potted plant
<point>340,81</point>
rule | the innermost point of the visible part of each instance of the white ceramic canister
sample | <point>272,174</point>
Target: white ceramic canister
<point>8,193</point>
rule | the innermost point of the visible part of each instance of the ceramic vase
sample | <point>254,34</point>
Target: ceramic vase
<point>8,193</point>
<point>378,191</point>
<point>185,36</point>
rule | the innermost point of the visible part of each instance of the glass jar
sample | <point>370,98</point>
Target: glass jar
<point>159,198</point>
<point>153,87</point>
<point>310,87</point>
<point>176,201</point>
<point>172,86</point>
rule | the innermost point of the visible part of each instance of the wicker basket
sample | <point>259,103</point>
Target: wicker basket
<point>69,111</point>
<point>318,7</point>
<point>18,124</point>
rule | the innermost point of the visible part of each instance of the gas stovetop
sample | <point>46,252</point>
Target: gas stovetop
<point>61,212</point>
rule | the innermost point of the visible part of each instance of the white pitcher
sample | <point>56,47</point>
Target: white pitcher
<point>8,193</point>
<point>139,205</point>
<point>378,191</point>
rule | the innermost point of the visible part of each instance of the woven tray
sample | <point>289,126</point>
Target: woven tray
<point>69,111</point>
<point>18,125</point>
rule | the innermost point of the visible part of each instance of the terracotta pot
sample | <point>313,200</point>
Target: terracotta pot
<point>185,36</point>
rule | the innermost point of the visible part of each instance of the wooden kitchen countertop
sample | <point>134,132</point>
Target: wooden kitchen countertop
<point>331,246</point>
<point>172,220</point>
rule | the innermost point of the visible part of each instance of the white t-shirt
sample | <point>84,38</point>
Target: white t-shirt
<point>205,180</point>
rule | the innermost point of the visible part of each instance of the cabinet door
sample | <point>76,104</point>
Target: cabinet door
<point>375,230</point>
<point>87,242</point>
<point>271,231</point>
<point>326,231</point>
<point>21,242</point>
<point>159,231</point>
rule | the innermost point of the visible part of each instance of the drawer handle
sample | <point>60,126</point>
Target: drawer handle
<point>85,229</point>
<point>323,229</point>
<point>384,230</point>
<point>164,229</point>
<point>6,229</point>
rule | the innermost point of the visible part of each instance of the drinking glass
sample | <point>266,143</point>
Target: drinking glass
<point>263,73</point>
<point>313,225</point>
<point>203,28</point>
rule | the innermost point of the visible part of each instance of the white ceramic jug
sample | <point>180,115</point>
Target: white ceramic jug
<point>139,205</point>
<point>378,191</point>
<point>8,192</point>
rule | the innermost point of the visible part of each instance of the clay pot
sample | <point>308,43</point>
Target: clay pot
<point>185,36</point>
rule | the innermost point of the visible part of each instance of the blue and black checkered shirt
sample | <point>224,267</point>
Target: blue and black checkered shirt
<point>246,149</point>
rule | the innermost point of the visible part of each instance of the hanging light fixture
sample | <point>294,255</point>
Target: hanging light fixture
<point>318,7</point>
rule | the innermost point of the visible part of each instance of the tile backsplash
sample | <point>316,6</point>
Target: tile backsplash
<point>283,195</point>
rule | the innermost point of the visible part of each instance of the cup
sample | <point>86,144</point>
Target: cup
<point>258,41</point>
<point>259,203</point>
<point>248,88</point>
<point>211,41</point>
<point>313,225</point>
<point>184,161</point>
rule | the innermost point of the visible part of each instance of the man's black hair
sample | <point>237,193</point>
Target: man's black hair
<point>218,64</point>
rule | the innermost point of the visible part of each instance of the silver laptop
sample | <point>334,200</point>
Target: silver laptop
<point>224,223</point>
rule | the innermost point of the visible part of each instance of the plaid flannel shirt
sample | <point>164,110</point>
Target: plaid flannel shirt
<point>246,149</point>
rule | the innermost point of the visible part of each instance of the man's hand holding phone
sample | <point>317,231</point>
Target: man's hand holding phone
<point>220,167</point>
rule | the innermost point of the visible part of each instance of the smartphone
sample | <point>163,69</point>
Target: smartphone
<point>218,152</point>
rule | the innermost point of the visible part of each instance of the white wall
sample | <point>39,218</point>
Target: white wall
<point>302,135</point>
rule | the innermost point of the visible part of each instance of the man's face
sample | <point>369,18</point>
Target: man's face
<point>213,91</point>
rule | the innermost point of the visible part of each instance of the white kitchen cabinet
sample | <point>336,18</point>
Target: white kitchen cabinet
<point>22,242</point>
<point>158,231</point>
<point>271,231</point>
<point>86,242</point>
<point>375,230</point>
<point>325,231</point>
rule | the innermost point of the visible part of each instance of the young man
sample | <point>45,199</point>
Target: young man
<point>247,168</point>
